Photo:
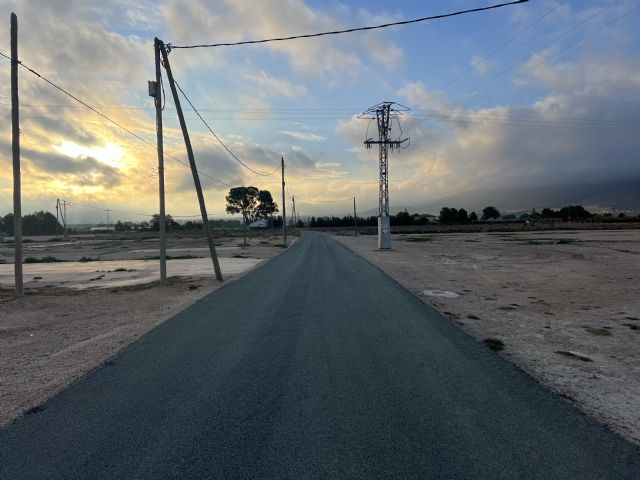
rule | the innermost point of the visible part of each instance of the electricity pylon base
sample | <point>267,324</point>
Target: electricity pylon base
<point>384,233</point>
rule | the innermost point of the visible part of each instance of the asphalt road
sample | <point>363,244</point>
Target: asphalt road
<point>316,365</point>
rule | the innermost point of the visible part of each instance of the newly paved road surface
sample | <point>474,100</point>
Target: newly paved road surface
<point>316,365</point>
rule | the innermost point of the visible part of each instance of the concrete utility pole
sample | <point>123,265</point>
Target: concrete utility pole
<point>284,208</point>
<point>384,113</point>
<point>15,147</point>
<point>192,163</point>
<point>293,212</point>
<point>57,216</point>
<point>244,215</point>
<point>64,218</point>
<point>155,88</point>
<point>355,219</point>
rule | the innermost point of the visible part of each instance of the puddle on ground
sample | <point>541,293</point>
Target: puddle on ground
<point>440,293</point>
<point>103,274</point>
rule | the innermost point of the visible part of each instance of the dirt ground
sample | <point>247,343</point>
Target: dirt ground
<point>563,306</point>
<point>54,335</point>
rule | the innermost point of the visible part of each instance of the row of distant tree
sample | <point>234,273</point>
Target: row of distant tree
<point>255,204</point>
<point>36,223</point>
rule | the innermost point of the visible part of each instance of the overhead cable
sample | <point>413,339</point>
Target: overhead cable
<point>528,56</point>
<point>122,127</point>
<point>546,58</point>
<point>220,141</point>
<point>349,30</point>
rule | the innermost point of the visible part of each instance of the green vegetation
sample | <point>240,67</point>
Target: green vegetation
<point>252,203</point>
<point>36,223</point>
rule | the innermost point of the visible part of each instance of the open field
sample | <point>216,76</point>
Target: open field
<point>79,314</point>
<point>562,305</point>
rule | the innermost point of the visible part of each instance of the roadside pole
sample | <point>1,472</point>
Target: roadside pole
<point>15,147</point>
<point>192,164</point>
<point>355,219</point>
<point>162,222</point>
<point>244,215</point>
<point>284,208</point>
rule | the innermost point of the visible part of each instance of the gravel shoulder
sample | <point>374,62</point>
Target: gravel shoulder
<point>563,306</point>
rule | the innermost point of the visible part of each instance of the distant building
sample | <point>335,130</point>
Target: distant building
<point>102,229</point>
<point>426,216</point>
<point>259,224</point>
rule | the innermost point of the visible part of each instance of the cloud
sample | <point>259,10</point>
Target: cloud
<point>334,58</point>
<point>269,86</point>
<point>581,130</point>
<point>79,171</point>
<point>309,137</point>
<point>480,64</point>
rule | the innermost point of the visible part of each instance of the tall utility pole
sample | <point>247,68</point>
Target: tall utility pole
<point>192,163</point>
<point>284,208</point>
<point>293,212</point>
<point>244,215</point>
<point>355,219</point>
<point>155,88</point>
<point>57,216</point>
<point>64,218</point>
<point>15,147</point>
<point>384,113</point>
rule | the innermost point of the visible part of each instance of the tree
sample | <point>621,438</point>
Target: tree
<point>169,222</point>
<point>574,212</point>
<point>243,200</point>
<point>6,224</point>
<point>448,215</point>
<point>402,219</point>
<point>39,223</point>
<point>473,217</point>
<point>490,212</point>
<point>266,206</point>
<point>548,213</point>
<point>462,216</point>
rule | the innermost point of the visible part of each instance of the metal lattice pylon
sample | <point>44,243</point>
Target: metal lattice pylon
<point>384,113</point>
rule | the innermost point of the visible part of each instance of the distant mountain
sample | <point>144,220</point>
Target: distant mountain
<point>393,210</point>
<point>620,195</point>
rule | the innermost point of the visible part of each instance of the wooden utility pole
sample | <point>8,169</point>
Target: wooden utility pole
<point>162,227</point>
<point>355,219</point>
<point>284,208</point>
<point>15,146</point>
<point>192,163</point>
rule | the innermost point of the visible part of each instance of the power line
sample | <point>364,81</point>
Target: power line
<point>108,118</point>
<point>349,30</point>
<point>127,212</point>
<point>531,67</point>
<point>124,212</point>
<point>502,46</point>
<point>507,123</point>
<point>220,141</point>
<point>524,59</point>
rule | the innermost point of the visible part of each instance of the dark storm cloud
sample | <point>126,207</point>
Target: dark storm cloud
<point>78,171</point>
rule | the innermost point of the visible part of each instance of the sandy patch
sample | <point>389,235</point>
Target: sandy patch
<point>564,305</point>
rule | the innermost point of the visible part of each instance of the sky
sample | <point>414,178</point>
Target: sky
<point>540,93</point>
